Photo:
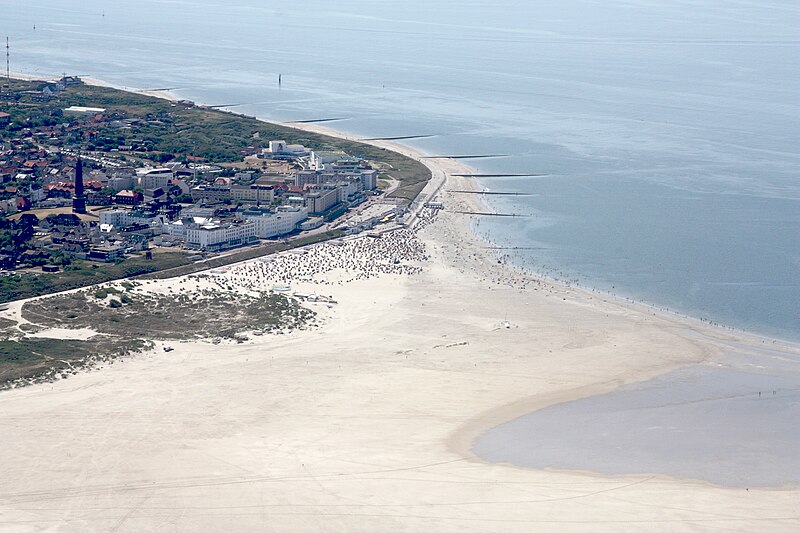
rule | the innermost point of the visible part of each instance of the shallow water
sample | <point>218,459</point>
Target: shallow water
<point>730,423</point>
<point>668,130</point>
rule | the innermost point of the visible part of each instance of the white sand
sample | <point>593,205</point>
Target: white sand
<point>164,94</point>
<point>25,76</point>
<point>62,333</point>
<point>365,423</point>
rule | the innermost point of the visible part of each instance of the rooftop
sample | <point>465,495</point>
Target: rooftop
<point>86,110</point>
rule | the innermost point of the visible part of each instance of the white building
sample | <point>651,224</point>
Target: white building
<point>277,147</point>
<point>213,236</point>
<point>212,193</point>
<point>253,193</point>
<point>297,149</point>
<point>177,229</point>
<point>348,189</point>
<point>312,223</point>
<point>369,180</point>
<point>322,199</point>
<point>121,218</point>
<point>80,110</point>
<point>307,177</point>
<point>319,160</point>
<point>155,178</point>
<point>120,183</point>
<point>114,217</point>
<point>281,148</point>
<point>286,220</point>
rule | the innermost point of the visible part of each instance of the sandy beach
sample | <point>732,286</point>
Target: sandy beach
<point>164,94</point>
<point>365,422</point>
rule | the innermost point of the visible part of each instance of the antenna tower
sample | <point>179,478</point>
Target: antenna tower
<point>8,63</point>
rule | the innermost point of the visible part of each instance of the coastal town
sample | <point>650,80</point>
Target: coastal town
<point>77,186</point>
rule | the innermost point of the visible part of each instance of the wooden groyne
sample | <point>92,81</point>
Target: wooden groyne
<point>496,193</point>
<point>524,175</point>
<point>315,120</point>
<point>399,138</point>
<point>478,156</point>
<point>488,214</point>
<point>515,248</point>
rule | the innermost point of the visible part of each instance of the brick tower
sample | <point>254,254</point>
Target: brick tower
<point>79,200</point>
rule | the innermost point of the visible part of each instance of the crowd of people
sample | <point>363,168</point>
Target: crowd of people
<point>398,252</point>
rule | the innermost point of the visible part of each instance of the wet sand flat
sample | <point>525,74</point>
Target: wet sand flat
<point>727,422</point>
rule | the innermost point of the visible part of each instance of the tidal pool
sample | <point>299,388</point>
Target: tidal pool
<point>732,422</point>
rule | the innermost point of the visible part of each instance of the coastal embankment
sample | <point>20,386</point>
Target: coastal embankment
<point>366,421</point>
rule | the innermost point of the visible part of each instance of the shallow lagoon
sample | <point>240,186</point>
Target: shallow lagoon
<point>730,422</point>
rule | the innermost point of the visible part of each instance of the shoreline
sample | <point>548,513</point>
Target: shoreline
<point>367,422</point>
<point>470,202</point>
<point>474,203</point>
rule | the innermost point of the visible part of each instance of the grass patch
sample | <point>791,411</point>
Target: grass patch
<point>46,359</point>
<point>205,314</point>
<point>7,328</point>
<point>82,274</point>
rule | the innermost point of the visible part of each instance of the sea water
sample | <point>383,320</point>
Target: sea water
<point>728,422</point>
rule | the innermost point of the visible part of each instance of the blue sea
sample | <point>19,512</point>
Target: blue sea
<point>666,132</point>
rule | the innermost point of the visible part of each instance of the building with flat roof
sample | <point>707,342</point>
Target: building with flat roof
<point>155,178</point>
<point>120,183</point>
<point>323,160</point>
<point>213,193</point>
<point>217,236</point>
<point>80,110</point>
<point>122,218</point>
<point>256,193</point>
<point>107,253</point>
<point>282,148</point>
<point>321,199</point>
<point>369,179</point>
<point>285,220</point>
